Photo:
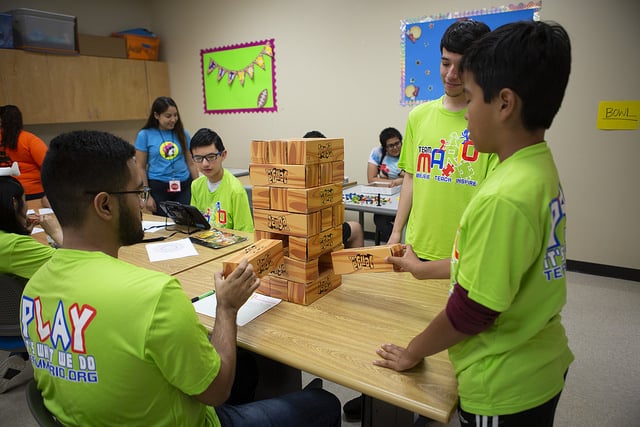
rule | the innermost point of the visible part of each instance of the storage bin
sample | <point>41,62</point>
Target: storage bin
<point>6,31</point>
<point>141,44</point>
<point>42,31</point>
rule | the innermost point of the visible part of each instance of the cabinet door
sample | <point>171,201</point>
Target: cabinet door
<point>124,89</point>
<point>157,80</point>
<point>26,83</point>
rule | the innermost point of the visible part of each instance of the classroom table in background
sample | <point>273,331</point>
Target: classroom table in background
<point>336,338</point>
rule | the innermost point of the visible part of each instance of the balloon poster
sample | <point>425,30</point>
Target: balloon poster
<point>420,45</point>
<point>239,78</point>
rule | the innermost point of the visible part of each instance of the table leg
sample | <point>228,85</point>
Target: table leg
<point>377,413</point>
<point>361,219</point>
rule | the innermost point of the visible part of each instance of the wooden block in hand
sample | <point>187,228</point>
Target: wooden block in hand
<point>365,260</point>
<point>264,255</point>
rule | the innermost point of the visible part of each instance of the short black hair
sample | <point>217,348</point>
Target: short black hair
<point>80,162</point>
<point>459,35</point>
<point>532,58</point>
<point>205,137</point>
<point>314,134</point>
<point>11,192</point>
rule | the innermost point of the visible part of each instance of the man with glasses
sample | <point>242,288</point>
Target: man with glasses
<point>218,194</point>
<point>112,343</point>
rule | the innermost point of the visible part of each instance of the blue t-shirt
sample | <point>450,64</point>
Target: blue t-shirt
<point>164,154</point>
<point>387,166</point>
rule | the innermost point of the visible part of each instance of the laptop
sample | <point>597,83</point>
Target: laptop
<point>185,215</point>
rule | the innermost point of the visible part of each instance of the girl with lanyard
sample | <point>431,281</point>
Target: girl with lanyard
<point>160,156</point>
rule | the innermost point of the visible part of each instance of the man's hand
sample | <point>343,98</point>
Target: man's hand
<point>396,358</point>
<point>236,289</point>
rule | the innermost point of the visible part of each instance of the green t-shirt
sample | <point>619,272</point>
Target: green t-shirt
<point>22,255</point>
<point>446,169</point>
<point>227,206</point>
<point>510,257</point>
<point>115,344</point>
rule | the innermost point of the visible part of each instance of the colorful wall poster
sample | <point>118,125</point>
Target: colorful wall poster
<point>420,45</point>
<point>239,78</point>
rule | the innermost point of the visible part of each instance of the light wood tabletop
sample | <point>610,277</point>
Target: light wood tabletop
<point>336,336</point>
<point>137,254</point>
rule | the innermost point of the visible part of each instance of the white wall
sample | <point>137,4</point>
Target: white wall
<point>338,71</point>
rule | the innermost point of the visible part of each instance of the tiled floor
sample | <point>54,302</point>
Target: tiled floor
<point>602,318</point>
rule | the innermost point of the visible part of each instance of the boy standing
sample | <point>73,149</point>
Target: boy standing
<point>502,321</point>
<point>218,194</point>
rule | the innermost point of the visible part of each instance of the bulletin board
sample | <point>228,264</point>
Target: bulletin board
<point>239,78</point>
<point>420,45</point>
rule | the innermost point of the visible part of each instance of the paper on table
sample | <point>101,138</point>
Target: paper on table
<point>171,250</point>
<point>254,307</point>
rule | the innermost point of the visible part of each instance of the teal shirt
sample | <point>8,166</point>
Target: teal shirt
<point>227,206</point>
<point>510,257</point>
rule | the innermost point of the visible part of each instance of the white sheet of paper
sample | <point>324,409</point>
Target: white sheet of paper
<point>153,226</point>
<point>37,230</point>
<point>45,211</point>
<point>171,250</point>
<point>254,307</point>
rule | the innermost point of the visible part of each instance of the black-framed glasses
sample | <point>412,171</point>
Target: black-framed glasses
<point>210,157</point>
<point>394,145</point>
<point>142,194</point>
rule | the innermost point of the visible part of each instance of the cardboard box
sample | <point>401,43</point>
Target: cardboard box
<point>282,222</point>
<point>141,47</point>
<point>307,293</point>
<point>110,47</point>
<point>282,175</point>
<point>265,255</point>
<point>307,248</point>
<point>41,31</point>
<point>306,151</point>
<point>365,260</point>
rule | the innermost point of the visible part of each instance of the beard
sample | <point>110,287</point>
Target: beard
<point>130,229</point>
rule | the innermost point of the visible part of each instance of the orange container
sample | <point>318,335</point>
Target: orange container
<point>141,47</point>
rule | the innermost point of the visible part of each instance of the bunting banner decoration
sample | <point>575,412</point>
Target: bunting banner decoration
<point>420,47</point>
<point>246,88</point>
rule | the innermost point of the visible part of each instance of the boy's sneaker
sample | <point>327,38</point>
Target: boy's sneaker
<point>14,370</point>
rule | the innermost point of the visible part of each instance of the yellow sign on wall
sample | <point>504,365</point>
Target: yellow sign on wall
<point>618,115</point>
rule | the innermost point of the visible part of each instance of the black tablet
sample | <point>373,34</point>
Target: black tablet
<point>185,215</point>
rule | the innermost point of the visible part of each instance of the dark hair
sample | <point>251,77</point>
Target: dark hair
<point>385,135</point>
<point>80,162</point>
<point>205,137</point>
<point>159,106</point>
<point>314,134</point>
<point>459,35</point>
<point>11,191</point>
<point>11,119</point>
<point>532,58</point>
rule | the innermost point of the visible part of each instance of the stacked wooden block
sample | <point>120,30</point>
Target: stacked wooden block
<point>297,198</point>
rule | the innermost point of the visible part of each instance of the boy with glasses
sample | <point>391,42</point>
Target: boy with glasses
<point>218,194</point>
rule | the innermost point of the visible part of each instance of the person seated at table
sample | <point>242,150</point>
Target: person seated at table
<point>352,232</point>
<point>383,167</point>
<point>218,194</point>
<point>21,256</point>
<point>125,344</point>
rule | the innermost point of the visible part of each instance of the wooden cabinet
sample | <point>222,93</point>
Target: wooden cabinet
<point>69,89</point>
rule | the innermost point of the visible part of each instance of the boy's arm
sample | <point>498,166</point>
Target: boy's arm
<point>404,208</point>
<point>409,262</point>
<point>438,336</point>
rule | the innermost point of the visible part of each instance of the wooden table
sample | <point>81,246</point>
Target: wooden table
<point>336,338</point>
<point>137,254</point>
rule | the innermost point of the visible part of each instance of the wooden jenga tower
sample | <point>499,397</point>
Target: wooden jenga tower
<point>297,198</point>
